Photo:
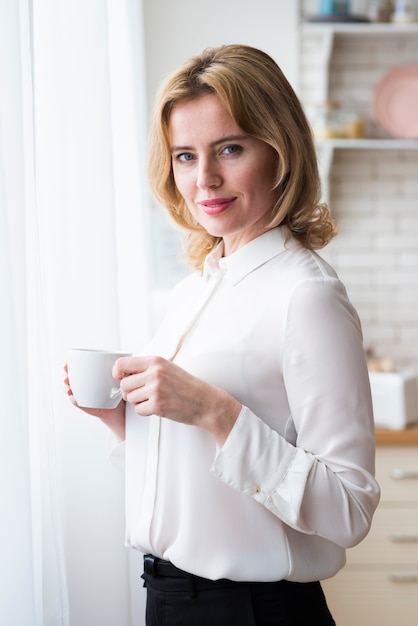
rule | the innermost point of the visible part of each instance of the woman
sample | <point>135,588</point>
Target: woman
<point>247,438</point>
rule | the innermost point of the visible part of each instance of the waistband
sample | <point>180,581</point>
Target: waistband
<point>165,576</point>
<point>304,601</point>
<point>153,566</point>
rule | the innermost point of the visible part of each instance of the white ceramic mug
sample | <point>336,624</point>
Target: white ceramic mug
<point>91,380</point>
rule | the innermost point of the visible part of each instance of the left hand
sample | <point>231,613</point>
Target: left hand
<point>156,386</point>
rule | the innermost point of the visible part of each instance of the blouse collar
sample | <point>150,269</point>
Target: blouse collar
<point>251,256</point>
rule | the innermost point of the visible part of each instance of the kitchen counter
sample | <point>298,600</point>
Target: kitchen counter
<point>379,584</point>
<point>406,437</point>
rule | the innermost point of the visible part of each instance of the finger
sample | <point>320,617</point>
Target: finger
<point>144,409</point>
<point>133,389</point>
<point>68,392</point>
<point>125,366</point>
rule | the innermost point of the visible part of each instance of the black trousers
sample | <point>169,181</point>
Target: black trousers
<point>192,601</point>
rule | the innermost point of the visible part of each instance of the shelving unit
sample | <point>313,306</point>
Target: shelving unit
<point>329,32</point>
<point>327,36</point>
<point>379,585</point>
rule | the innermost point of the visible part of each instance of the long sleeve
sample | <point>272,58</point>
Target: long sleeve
<point>322,482</point>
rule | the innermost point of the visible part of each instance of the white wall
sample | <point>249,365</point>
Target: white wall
<point>176,30</point>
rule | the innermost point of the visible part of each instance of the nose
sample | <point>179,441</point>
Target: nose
<point>209,174</point>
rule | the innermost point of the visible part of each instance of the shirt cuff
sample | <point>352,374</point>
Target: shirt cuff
<point>254,459</point>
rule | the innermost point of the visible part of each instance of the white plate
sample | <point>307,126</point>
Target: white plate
<point>395,102</point>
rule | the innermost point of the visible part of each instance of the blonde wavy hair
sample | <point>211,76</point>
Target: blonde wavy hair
<point>257,95</point>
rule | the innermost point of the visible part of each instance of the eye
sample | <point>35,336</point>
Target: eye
<point>184,157</point>
<point>232,149</point>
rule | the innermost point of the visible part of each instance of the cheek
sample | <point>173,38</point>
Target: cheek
<point>267,178</point>
<point>183,184</point>
<point>256,182</point>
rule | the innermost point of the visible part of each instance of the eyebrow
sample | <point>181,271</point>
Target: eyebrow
<point>226,139</point>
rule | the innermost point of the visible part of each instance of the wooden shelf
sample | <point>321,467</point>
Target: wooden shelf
<point>360,29</point>
<point>368,144</point>
<point>326,148</point>
<point>406,437</point>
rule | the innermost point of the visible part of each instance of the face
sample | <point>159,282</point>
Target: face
<point>224,175</point>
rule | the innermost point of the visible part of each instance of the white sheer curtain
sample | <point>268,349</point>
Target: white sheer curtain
<point>73,270</point>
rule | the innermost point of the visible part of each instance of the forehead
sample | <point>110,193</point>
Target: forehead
<point>201,117</point>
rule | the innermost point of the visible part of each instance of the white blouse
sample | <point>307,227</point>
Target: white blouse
<point>293,485</point>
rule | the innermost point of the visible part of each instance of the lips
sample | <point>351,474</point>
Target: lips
<point>215,206</point>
